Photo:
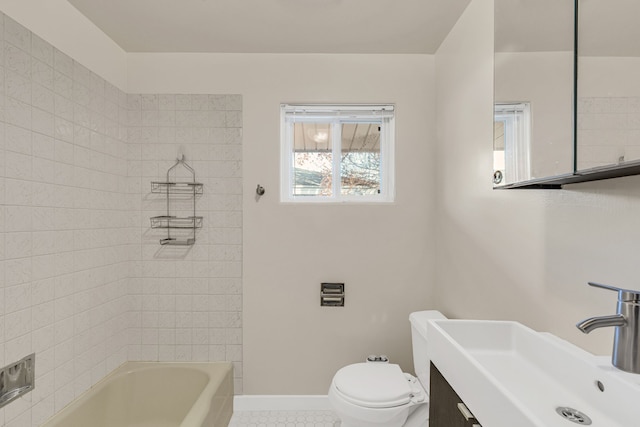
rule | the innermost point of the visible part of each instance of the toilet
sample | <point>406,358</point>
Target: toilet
<point>380,394</point>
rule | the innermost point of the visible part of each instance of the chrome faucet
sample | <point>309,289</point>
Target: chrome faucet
<point>626,342</point>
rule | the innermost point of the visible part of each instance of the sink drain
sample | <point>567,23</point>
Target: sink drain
<point>573,415</point>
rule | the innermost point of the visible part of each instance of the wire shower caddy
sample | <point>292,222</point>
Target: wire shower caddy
<point>170,222</point>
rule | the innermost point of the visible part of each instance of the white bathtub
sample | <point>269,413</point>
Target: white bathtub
<point>152,394</point>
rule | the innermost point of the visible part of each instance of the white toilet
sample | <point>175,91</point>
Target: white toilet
<point>380,394</point>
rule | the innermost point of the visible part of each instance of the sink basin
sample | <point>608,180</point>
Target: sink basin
<point>512,376</point>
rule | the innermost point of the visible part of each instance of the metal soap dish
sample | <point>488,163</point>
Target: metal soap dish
<point>17,379</point>
<point>172,222</point>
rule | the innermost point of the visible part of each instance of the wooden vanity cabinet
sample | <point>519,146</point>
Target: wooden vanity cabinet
<point>444,404</point>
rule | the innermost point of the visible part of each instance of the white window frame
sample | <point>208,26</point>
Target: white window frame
<point>384,114</point>
<point>516,117</point>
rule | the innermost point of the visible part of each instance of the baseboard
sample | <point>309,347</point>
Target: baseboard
<point>281,403</point>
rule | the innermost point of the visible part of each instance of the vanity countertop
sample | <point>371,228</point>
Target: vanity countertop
<point>510,375</point>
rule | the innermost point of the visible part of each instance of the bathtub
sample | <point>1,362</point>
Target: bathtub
<point>153,394</point>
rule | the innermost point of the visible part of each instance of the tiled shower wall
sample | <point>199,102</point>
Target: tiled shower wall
<point>608,130</point>
<point>65,223</point>
<point>188,300</point>
<point>84,282</point>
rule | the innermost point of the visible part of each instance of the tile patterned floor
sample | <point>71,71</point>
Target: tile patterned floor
<point>284,419</point>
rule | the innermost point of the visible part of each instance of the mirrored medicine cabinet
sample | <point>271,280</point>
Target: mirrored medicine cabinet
<point>566,92</point>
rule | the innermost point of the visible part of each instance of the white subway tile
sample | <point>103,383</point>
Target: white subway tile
<point>234,353</point>
<point>41,50</point>
<point>17,271</point>
<point>16,59</point>
<point>42,122</point>
<point>149,102</point>
<point>200,353</point>
<point>43,316</point>
<point>17,324</point>
<point>63,132</point>
<point>167,102</point>
<point>134,102</point>
<point>42,74</point>
<point>18,192</point>
<point>17,139</point>
<point>218,102</point>
<point>97,85</point>
<point>183,353</point>
<point>81,75</point>
<point>19,419</point>
<point>233,119</point>
<point>17,348</point>
<point>18,113</point>
<point>42,146</point>
<point>94,287</point>
<point>43,98</point>
<point>17,34</point>
<point>217,352</point>
<point>183,102</point>
<point>18,86</point>
<point>18,245</point>
<point>62,84</point>
<point>166,353</point>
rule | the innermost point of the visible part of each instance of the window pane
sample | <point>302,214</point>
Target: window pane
<point>312,159</point>
<point>311,136</point>
<point>360,160</point>
<point>312,174</point>
<point>512,139</point>
<point>337,153</point>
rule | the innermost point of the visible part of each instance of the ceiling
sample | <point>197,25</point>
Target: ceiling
<point>533,25</point>
<point>275,26</point>
<point>606,27</point>
<point>609,28</point>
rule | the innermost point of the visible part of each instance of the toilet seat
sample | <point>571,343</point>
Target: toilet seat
<point>377,386</point>
<point>379,394</point>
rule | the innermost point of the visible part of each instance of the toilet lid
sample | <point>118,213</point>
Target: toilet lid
<point>373,385</point>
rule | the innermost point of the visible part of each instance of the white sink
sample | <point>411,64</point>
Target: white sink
<point>512,376</point>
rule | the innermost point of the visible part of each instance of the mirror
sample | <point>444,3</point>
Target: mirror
<point>534,87</point>
<point>608,104</point>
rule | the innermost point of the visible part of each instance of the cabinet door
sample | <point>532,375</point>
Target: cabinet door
<point>443,404</point>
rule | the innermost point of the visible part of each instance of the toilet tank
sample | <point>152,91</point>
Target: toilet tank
<point>421,358</point>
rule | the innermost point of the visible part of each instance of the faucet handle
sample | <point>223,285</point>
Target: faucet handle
<point>624,295</point>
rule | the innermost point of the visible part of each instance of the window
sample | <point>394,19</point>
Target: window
<point>511,145</point>
<point>337,153</point>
